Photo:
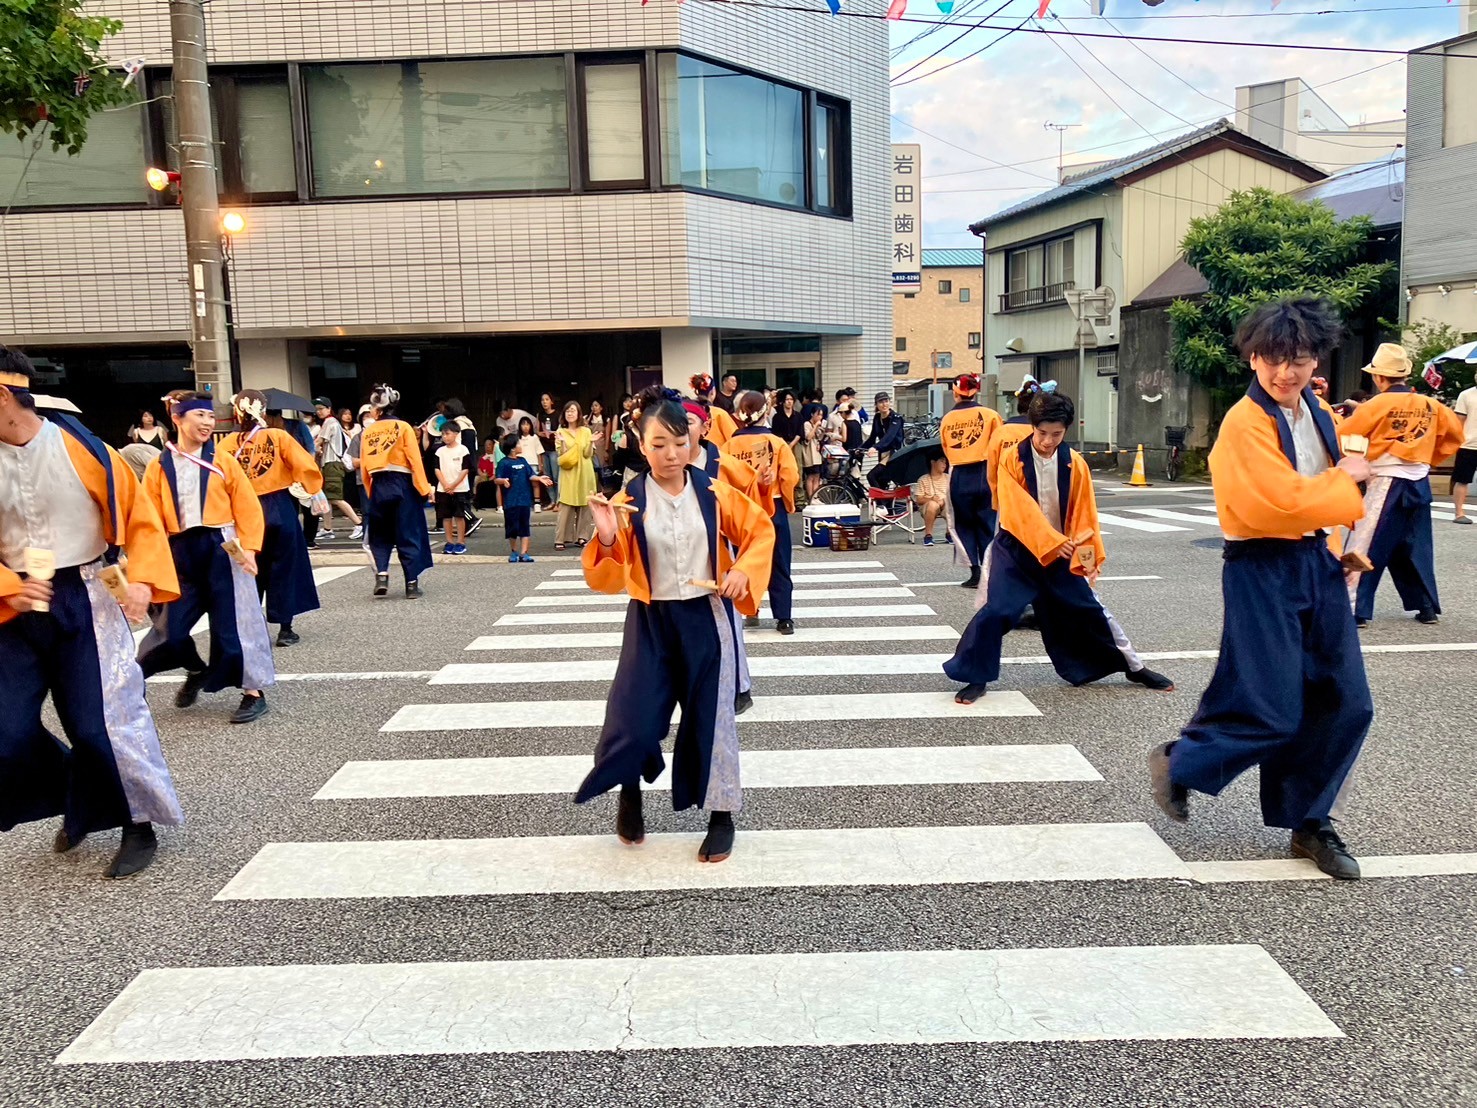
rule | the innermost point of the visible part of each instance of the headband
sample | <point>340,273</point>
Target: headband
<point>14,380</point>
<point>196,405</point>
<point>694,408</point>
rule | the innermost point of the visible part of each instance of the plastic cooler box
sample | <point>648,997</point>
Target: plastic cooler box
<point>826,513</point>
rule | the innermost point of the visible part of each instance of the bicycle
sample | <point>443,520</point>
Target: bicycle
<point>919,430</point>
<point>839,482</point>
<point>1174,440</point>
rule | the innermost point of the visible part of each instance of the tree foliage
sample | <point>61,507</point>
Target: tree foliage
<point>1261,246</point>
<point>45,45</point>
<point>1423,340</point>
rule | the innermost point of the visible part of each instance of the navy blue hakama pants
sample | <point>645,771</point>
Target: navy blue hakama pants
<point>1081,637</point>
<point>974,510</point>
<point>781,585</point>
<point>1289,692</point>
<point>112,770</point>
<point>1403,544</point>
<point>675,653</point>
<point>396,519</point>
<point>211,584</point>
<point>284,572</point>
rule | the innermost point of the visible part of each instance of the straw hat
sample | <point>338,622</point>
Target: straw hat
<point>1390,360</point>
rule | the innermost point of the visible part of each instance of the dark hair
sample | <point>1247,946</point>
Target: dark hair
<point>508,444</point>
<point>729,374</point>
<point>453,409</point>
<point>749,408</point>
<point>503,406</point>
<point>1285,330</point>
<point>532,427</point>
<point>663,406</point>
<point>1051,407</point>
<point>13,361</point>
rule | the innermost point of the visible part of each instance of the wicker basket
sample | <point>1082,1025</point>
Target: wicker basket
<point>849,536</point>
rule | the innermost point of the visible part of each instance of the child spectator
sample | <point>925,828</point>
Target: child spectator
<point>931,494</point>
<point>516,477</point>
<point>485,490</point>
<point>453,487</point>
<point>531,448</point>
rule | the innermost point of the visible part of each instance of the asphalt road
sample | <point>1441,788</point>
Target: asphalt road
<point>1390,961</point>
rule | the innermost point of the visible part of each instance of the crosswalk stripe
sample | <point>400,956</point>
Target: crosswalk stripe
<point>850,594</point>
<point>940,584</point>
<point>1441,511</point>
<point>799,578</point>
<point>324,574</point>
<point>1137,524</point>
<point>839,611</point>
<point>571,670</point>
<point>799,566</point>
<point>762,769</point>
<point>806,858</point>
<point>1301,869</point>
<point>812,708</point>
<point>1166,513</point>
<point>753,636</point>
<point>1208,509</point>
<point>842,998</point>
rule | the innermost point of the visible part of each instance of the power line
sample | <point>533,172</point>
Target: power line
<point>895,83</point>
<point>957,38</point>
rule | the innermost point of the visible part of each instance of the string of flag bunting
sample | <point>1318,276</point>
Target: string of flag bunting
<point>897,9</point>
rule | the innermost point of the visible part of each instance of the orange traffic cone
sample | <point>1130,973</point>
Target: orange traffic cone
<point>1138,480</point>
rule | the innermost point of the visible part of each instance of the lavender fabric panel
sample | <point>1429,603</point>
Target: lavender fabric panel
<point>131,731</point>
<point>724,793</point>
<point>257,668</point>
<point>736,621</point>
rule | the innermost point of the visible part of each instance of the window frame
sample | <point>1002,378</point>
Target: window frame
<point>579,131</point>
<point>975,340</point>
<point>1023,296</point>
<point>900,344</point>
<point>946,286</point>
<point>964,295</point>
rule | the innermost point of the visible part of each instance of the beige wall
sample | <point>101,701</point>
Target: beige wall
<point>1157,210</point>
<point>1053,327</point>
<point>1458,308</point>
<point>932,320</point>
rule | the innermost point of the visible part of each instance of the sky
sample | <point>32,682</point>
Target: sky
<point>992,108</point>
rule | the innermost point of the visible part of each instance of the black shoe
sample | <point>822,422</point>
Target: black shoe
<point>64,842</point>
<point>413,590</point>
<point>288,637</point>
<point>630,824</point>
<point>252,708</point>
<point>472,526</point>
<point>718,842</point>
<point>1027,622</point>
<point>1323,845</point>
<point>974,578</point>
<point>751,621</point>
<point>970,693</point>
<point>1427,616</point>
<point>1463,519</point>
<point>1360,623</point>
<point>1151,680</point>
<point>785,627</point>
<point>1173,800</point>
<point>381,584</point>
<point>742,703</point>
<point>189,692</point>
<point>135,852</point>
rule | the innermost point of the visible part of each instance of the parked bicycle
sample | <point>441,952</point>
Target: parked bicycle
<point>1174,439</point>
<point>839,481</point>
<point>919,430</point>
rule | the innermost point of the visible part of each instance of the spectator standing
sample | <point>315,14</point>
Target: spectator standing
<point>531,450</point>
<point>887,430</point>
<point>148,431</point>
<point>599,435</point>
<point>453,491</point>
<point>508,418</point>
<point>727,392</point>
<point>333,448</point>
<point>575,453</point>
<point>546,423</point>
<point>812,448</point>
<point>516,477</point>
<point>346,421</point>
<point>787,425</point>
<point>1465,466</point>
<point>931,494</point>
<point>456,412</point>
<point>484,491</point>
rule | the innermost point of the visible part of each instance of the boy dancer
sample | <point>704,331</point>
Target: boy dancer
<point>1048,553</point>
<point>1289,692</point>
<point>516,477</point>
<point>1408,434</point>
<point>205,500</point>
<point>965,433</point>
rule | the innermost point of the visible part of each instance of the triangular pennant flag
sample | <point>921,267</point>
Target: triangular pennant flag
<point>1041,11</point>
<point>835,6</point>
<point>1433,376</point>
<point>946,6</point>
<point>897,9</point>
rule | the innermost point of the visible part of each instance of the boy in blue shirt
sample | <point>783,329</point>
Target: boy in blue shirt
<point>516,477</point>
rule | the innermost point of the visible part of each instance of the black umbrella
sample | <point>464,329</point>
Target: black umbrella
<point>909,463</point>
<point>279,400</point>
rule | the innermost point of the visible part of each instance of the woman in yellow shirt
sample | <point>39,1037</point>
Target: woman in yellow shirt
<point>574,445</point>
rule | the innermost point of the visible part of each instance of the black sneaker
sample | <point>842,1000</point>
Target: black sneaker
<point>1151,680</point>
<point>630,824</point>
<point>135,852</point>
<point>742,703</point>
<point>189,692</point>
<point>1173,800</point>
<point>251,708</point>
<point>973,581</point>
<point>64,841</point>
<point>1360,623</point>
<point>718,842</point>
<point>1327,850</point>
<point>785,627</point>
<point>1427,616</point>
<point>413,590</point>
<point>381,584</point>
<point>288,637</point>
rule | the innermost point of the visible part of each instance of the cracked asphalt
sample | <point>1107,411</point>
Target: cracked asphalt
<point>1392,962</point>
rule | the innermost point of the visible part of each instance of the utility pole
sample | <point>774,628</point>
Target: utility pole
<point>1061,146</point>
<point>199,202</point>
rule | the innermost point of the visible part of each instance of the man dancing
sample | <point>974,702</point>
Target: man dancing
<point>966,432</point>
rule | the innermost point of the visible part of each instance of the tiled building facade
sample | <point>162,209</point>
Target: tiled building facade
<point>485,199</point>
<point>938,330</point>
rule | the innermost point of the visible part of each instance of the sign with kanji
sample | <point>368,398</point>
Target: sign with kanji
<point>907,216</point>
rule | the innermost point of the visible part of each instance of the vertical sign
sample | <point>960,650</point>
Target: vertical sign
<point>907,216</point>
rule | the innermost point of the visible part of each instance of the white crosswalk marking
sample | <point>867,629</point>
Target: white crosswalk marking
<point>854,998</point>
<point>1138,524</point>
<point>763,769</point>
<point>782,665</point>
<point>753,636</point>
<point>799,579</point>
<point>1202,519</point>
<point>836,611</point>
<point>801,565</point>
<point>851,594</point>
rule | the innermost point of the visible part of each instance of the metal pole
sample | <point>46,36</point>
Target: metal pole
<point>1081,385</point>
<point>199,191</point>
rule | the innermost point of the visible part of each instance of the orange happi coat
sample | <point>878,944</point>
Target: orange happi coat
<point>1408,426</point>
<point>966,432</point>
<point>230,501</point>
<point>1021,514</point>
<point>273,460</point>
<point>1006,437</point>
<point>761,451</point>
<point>391,442</point>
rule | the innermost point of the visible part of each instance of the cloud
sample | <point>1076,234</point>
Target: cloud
<point>994,106</point>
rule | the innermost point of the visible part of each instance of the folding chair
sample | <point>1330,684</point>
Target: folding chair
<point>893,508</point>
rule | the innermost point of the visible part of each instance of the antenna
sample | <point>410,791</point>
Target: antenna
<point>1060,129</point>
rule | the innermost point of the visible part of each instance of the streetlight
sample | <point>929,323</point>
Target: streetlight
<point>233,223</point>
<point>160,179</point>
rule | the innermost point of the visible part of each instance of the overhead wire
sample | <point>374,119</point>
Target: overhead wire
<point>953,41</point>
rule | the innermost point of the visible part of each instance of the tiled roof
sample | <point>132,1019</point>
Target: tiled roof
<point>940,258</point>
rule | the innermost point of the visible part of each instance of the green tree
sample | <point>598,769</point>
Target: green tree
<point>1423,340</point>
<point>1257,247</point>
<point>45,45</point>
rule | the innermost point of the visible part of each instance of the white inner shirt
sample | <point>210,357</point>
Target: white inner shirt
<point>187,480</point>
<point>44,504</point>
<point>676,543</point>
<point>1307,443</point>
<point>1047,494</point>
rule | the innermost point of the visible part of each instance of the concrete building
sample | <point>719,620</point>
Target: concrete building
<point>1289,116</point>
<point>1119,226</point>
<point>938,330</point>
<point>481,199</point>
<point>1439,263</point>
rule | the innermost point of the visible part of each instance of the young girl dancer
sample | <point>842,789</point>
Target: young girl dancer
<point>395,483</point>
<point>666,550</point>
<point>768,456</point>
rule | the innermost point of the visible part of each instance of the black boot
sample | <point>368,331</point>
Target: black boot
<point>251,708</point>
<point>189,692</point>
<point>413,590</point>
<point>1321,843</point>
<point>286,636</point>
<point>381,584</point>
<point>742,703</point>
<point>718,842</point>
<point>65,841</point>
<point>630,824</point>
<point>974,578</point>
<point>1173,800</point>
<point>785,626</point>
<point>135,852</point>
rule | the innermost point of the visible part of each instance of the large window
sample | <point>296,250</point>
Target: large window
<point>434,127</point>
<point>1038,274</point>
<point>615,127</point>
<point>731,132</point>
<point>109,170</point>
<point>832,140</point>
<point>251,119</point>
